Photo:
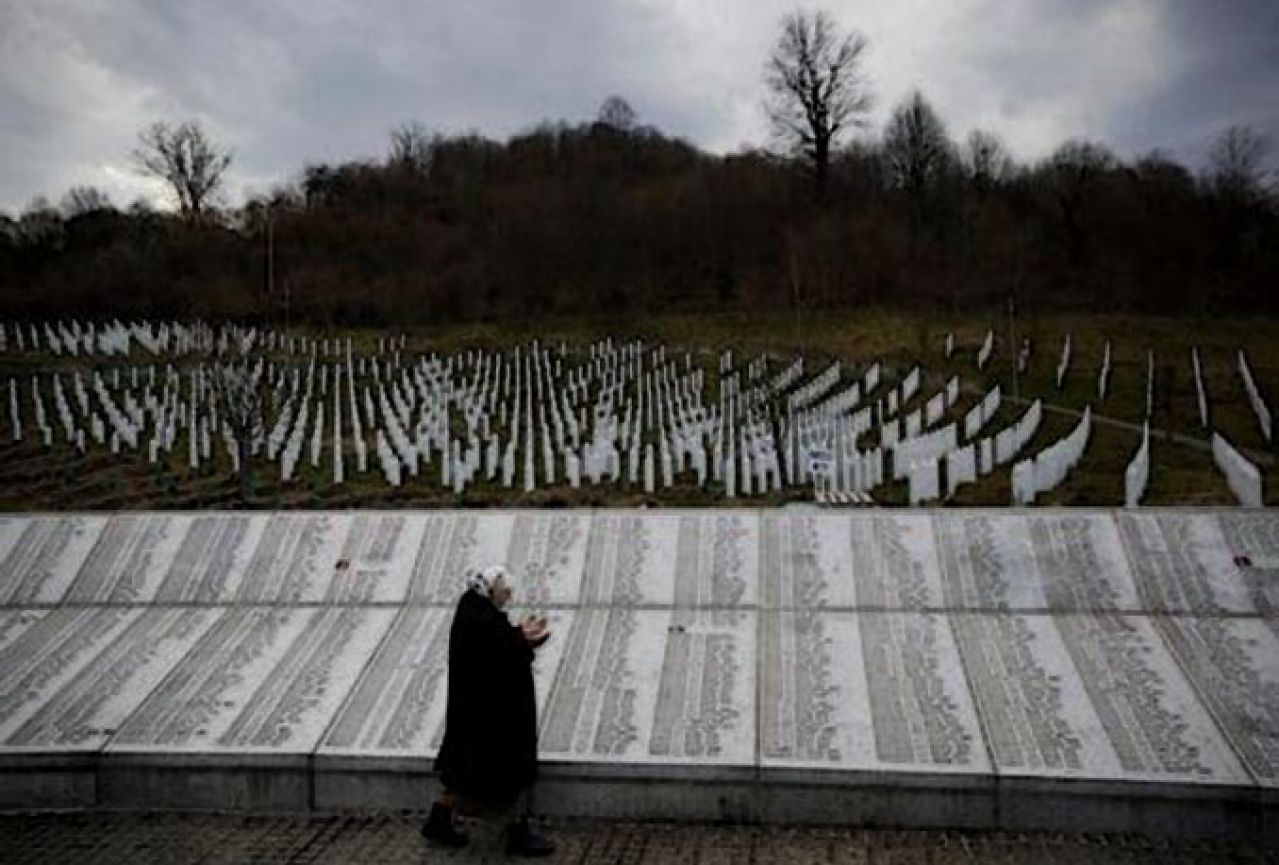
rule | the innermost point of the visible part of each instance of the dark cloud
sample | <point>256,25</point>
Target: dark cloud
<point>1227,74</point>
<point>292,81</point>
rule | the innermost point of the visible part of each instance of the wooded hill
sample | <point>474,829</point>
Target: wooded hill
<point>600,219</point>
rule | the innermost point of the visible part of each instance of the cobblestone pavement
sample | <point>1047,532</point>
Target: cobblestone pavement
<point>142,838</point>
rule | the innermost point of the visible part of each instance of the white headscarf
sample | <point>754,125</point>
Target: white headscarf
<point>481,581</point>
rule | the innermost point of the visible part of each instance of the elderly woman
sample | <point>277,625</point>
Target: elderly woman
<point>488,759</point>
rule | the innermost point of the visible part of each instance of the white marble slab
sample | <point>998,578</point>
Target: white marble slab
<point>49,653</point>
<point>250,558</point>
<point>887,641</point>
<point>654,688</point>
<point>1035,563</point>
<point>1027,679</point>
<point>693,559</point>
<point>1149,712</point>
<point>88,707</point>
<point>882,692</point>
<point>1035,714</point>
<point>1181,563</point>
<point>254,558</point>
<point>261,681</point>
<point>295,558</point>
<point>1233,663</point>
<point>129,559</point>
<point>379,550</point>
<point>895,562</point>
<point>1256,537</point>
<point>805,562</point>
<point>1079,561</point>
<point>39,556</point>
<point>544,551</point>
<point>209,563</point>
<point>987,562</point>
<point>397,707</point>
<point>15,623</point>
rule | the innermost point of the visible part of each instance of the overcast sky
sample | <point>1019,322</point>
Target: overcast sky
<point>284,82</point>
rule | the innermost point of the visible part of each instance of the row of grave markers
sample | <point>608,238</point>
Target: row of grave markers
<point>1050,466</point>
<point>625,414</point>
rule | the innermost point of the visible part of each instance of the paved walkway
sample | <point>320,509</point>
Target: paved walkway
<point>174,839</point>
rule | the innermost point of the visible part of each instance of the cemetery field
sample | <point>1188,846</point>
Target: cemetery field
<point>769,385</point>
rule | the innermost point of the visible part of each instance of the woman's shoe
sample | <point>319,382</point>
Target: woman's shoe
<point>439,827</point>
<point>523,840</point>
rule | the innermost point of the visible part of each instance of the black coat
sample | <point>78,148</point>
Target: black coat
<point>490,730</point>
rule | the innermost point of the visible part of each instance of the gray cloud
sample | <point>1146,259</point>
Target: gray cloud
<point>292,81</point>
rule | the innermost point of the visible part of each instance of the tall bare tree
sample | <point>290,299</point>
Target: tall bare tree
<point>817,87</point>
<point>40,222</point>
<point>412,147</point>
<point>184,157</point>
<point>80,200</point>
<point>987,162</point>
<point>1074,172</point>
<point>237,393</point>
<point>1236,164</point>
<point>916,145</point>
<point>617,113</point>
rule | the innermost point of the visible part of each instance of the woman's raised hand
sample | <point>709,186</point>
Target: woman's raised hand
<point>535,630</point>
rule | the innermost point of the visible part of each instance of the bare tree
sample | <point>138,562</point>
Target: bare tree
<point>818,88</point>
<point>186,159</point>
<point>412,147</point>
<point>237,394</point>
<point>617,113</point>
<point>40,222</point>
<point>1236,164</point>
<point>80,200</point>
<point>1074,171</point>
<point>986,161</point>
<point>1081,162</point>
<point>916,145</point>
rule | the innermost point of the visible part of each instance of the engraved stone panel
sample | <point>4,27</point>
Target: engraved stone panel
<point>1234,666</point>
<point>1032,706</point>
<point>50,651</point>
<point>864,691</point>
<point>804,562</point>
<point>294,559</point>
<point>653,687</point>
<point>895,565</point>
<point>1256,537</point>
<point>379,549</point>
<point>1181,563</point>
<point>85,711</point>
<point>922,642</point>
<point>210,561</point>
<point>543,552</point>
<point>15,623</point>
<point>259,680</point>
<point>987,562</point>
<point>397,706</point>
<point>690,559</point>
<point>1080,562</point>
<point>39,556</point>
<point>1034,563</point>
<point>400,696</point>
<point>1148,711</point>
<point>129,558</point>
<point>291,709</point>
<point>1089,700</point>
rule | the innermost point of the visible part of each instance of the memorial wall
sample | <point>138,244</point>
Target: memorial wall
<point>702,644</point>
